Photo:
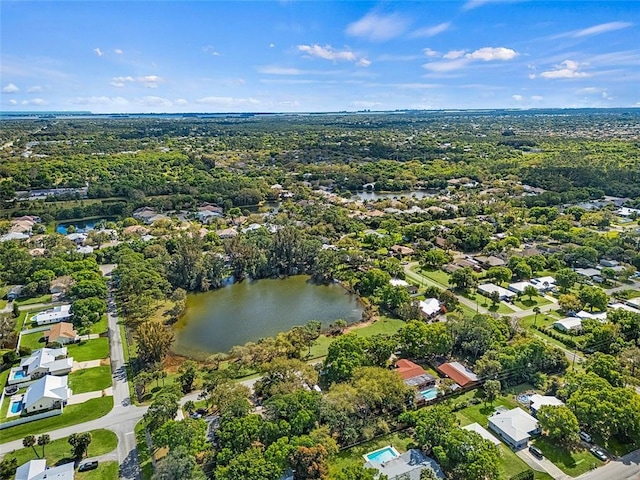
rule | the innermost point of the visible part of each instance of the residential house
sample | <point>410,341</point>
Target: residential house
<point>397,282</point>
<point>407,466</point>
<point>430,307</point>
<point>38,470</point>
<point>609,263</point>
<point>135,230</point>
<point>15,292</point>
<point>588,272</point>
<point>227,233</point>
<point>53,315</point>
<point>77,238</point>
<point>60,285</point>
<point>144,214</point>
<point>518,287</point>
<point>515,427</point>
<point>544,283</point>
<point>414,375</point>
<point>46,393</point>
<point>7,237</point>
<point>458,373</point>
<point>401,250</point>
<point>490,261</point>
<point>61,333</point>
<point>537,401</point>
<point>568,325</point>
<point>487,289</point>
<point>44,361</point>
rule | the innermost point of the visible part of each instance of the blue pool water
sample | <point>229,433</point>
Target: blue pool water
<point>19,374</point>
<point>383,455</point>
<point>16,406</point>
<point>429,393</point>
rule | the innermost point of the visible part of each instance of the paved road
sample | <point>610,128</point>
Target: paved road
<point>542,465</point>
<point>626,468</point>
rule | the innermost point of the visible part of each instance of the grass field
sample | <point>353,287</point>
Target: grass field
<point>573,463</point>
<point>100,327</point>
<point>89,349</point>
<point>526,304</point>
<point>33,341</point>
<point>90,379</point>
<point>58,451</point>
<point>105,471</point>
<point>30,301</point>
<point>73,414</point>
<point>384,325</point>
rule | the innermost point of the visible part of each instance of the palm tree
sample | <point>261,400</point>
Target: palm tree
<point>30,441</point>
<point>189,407</point>
<point>536,310</point>
<point>44,440</point>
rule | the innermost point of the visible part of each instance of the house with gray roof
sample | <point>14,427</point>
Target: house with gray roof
<point>514,427</point>
<point>38,470</point>
<point>46,393</point>
<point>407,466</point>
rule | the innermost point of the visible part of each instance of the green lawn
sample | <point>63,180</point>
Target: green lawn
<point>543,319</point>
<point>73,414</point>
<point>438,276</point>
<point>90,379</point>
<point>58,451</point>
<point>401,441</point>
<point>384,325</point>
<point>89,349</point>
<point>573,463</point>
<point>105,471</point>
<point>33,341</point>
<point>485,302</point>
<point>101,326</point>
<point>526,304</point>
<point>30,301</point>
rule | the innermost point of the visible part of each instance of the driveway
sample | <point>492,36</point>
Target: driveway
<point>83,397</point>
<point>83,365</point>
<point>543,465</point>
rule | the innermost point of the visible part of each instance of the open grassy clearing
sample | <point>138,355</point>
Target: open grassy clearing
<point>96,349</point>
<point>59,451</point>
<point>90,379</point>
<point>105,471</point>
<point>572,462</point>
<point>73,414</point>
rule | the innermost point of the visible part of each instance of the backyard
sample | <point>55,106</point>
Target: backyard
<point>90,379</point>
<point>89,349</point>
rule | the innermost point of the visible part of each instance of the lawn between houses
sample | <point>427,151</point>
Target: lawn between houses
<point>90,379</point>
<point>59,451</point>
<point>72,415</point>
<point>105,471</point>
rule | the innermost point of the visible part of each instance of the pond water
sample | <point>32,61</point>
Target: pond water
<point>82,226</point>
<point>372,195</point>
<point>217,320</point>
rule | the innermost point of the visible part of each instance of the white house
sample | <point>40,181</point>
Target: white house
<point>38,470</point>
<point>430,307</point>
<point>483,432</point>
<point>53,315</point>
<point>46,393</point>
<point>487,289</point>
<point>569,324</point>
<point>537,401</point>
<point>518,287</point>
<point>544,283</point>
<point>44,361</point>
<point>514,427</point>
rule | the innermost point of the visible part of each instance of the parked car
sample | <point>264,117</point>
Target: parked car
<point>584,436</point>
<point>599,453</point>
<point>536,452</point>
<point>88,466</point>
<point>11,390</point>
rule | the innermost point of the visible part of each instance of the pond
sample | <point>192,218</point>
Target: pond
<point>81,226</point>
<point>217,320</point>
<point>372,195</point>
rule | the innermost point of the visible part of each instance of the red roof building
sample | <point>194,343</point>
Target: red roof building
<point>458,373</point>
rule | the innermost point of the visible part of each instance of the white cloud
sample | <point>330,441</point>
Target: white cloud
<point>536,98</point>
<point>327,52</point>
<point>98,52</point>
<point>518,98</point>
<point>453,54</point>
<point>211,50</point>
<point>431,31</point>
<point>117,51</point>
<point>588,90</point>
<point>471,4</point>
<point>36,101</point>
<point>227,102</point>
<point>596,30</point>
<point>34,89</point>
<point>378,28</point>
<point>13,101</point>
<point>10,88</point>
<point>430,53</point>
<point>567,69</point>
<point>100,100</point>
<point>457,59</point>
<point>149,81</point>
<point>364,104</point>
<point>363,62</point>
<point>151,101</point>
<point>181,101</point>
<point>272,45</point>
<point>488,54</point>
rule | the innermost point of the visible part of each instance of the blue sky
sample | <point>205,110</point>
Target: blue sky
<point>148,56</point>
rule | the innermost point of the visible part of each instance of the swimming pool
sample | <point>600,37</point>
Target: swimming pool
<point>524,398</point>
<point>16,406</point>
<point>382,455</point>
<point>19,374</point>
<point>429,393</point>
